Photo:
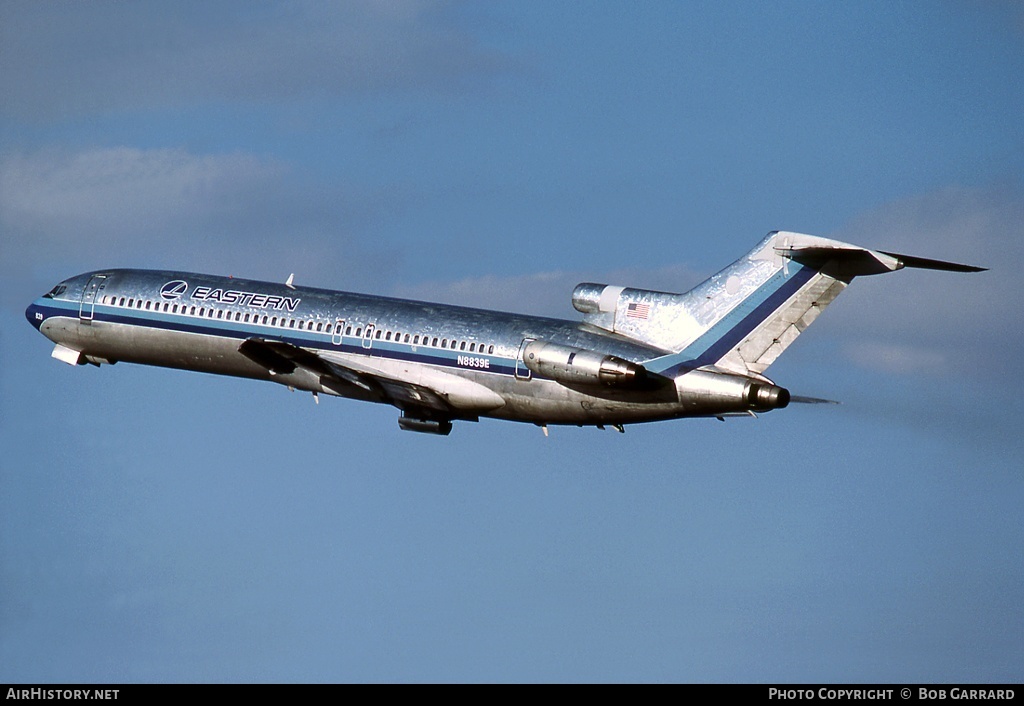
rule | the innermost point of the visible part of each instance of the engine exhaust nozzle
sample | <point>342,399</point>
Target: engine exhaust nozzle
<point>762,397</point>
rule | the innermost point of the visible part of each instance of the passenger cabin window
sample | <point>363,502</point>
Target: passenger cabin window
<point>379,332</point>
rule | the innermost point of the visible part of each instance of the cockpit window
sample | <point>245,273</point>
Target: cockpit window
<point>56,291</point>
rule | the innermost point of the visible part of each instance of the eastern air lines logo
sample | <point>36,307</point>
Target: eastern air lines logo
<point>173,290</point>
<point>178,288</point>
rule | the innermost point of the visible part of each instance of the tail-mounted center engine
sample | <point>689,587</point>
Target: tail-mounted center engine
<point>581,366</point>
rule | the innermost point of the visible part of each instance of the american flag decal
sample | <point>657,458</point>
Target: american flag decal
<point>638,310</point>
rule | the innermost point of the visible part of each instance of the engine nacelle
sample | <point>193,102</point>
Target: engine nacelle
<point>711,393</point>
<point>580,366</point>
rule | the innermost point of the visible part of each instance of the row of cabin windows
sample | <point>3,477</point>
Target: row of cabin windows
<point>300,324</point>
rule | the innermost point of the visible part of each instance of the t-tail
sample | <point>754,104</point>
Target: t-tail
<point>741,319</point>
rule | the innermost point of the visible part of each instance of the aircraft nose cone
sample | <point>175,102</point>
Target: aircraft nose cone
<point>34,314</point>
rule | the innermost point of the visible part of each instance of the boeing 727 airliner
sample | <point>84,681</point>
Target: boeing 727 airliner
<point>636,356</point>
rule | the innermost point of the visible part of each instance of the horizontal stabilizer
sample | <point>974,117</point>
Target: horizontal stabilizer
<point>852,261</point>
<point>801,399</point>
<point>843,261</point>
<point>926,264</point>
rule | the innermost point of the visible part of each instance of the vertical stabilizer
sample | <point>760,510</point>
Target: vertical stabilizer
<point>742,318</point>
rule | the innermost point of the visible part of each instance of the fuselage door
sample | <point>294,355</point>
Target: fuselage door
<point>522,372</point>
<point>368,336</point>
<point>87,309</point>
<point>337,336</point>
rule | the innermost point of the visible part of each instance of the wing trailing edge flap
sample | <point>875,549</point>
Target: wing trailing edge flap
<point>408,387</point>
<point>281,358</point>
<point>450,391</point>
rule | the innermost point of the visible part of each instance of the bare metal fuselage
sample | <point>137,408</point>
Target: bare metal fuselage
<point>637,356</point>
<point>125,319</point>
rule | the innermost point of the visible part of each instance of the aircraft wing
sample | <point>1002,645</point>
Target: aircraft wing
<point>407,387</point>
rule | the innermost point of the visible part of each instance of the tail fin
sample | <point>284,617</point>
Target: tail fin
<point>741,319</point>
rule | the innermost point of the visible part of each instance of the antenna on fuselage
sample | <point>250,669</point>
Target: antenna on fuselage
<point>288,282</point>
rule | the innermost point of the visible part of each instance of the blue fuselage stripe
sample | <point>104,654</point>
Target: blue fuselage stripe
<point>725,335</point>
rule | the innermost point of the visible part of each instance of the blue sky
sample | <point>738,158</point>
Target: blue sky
<point>158,525</point>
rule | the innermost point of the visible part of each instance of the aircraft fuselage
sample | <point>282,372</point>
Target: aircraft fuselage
<point>637,356</point>
<point>198,322</point>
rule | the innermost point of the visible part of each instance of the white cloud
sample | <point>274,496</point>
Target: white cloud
<point>895,358</point>
<point>957,323</point>
<point>543,293</point>
<point>232,213</point>
<point>70,58</point>
<point>108,194</point>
